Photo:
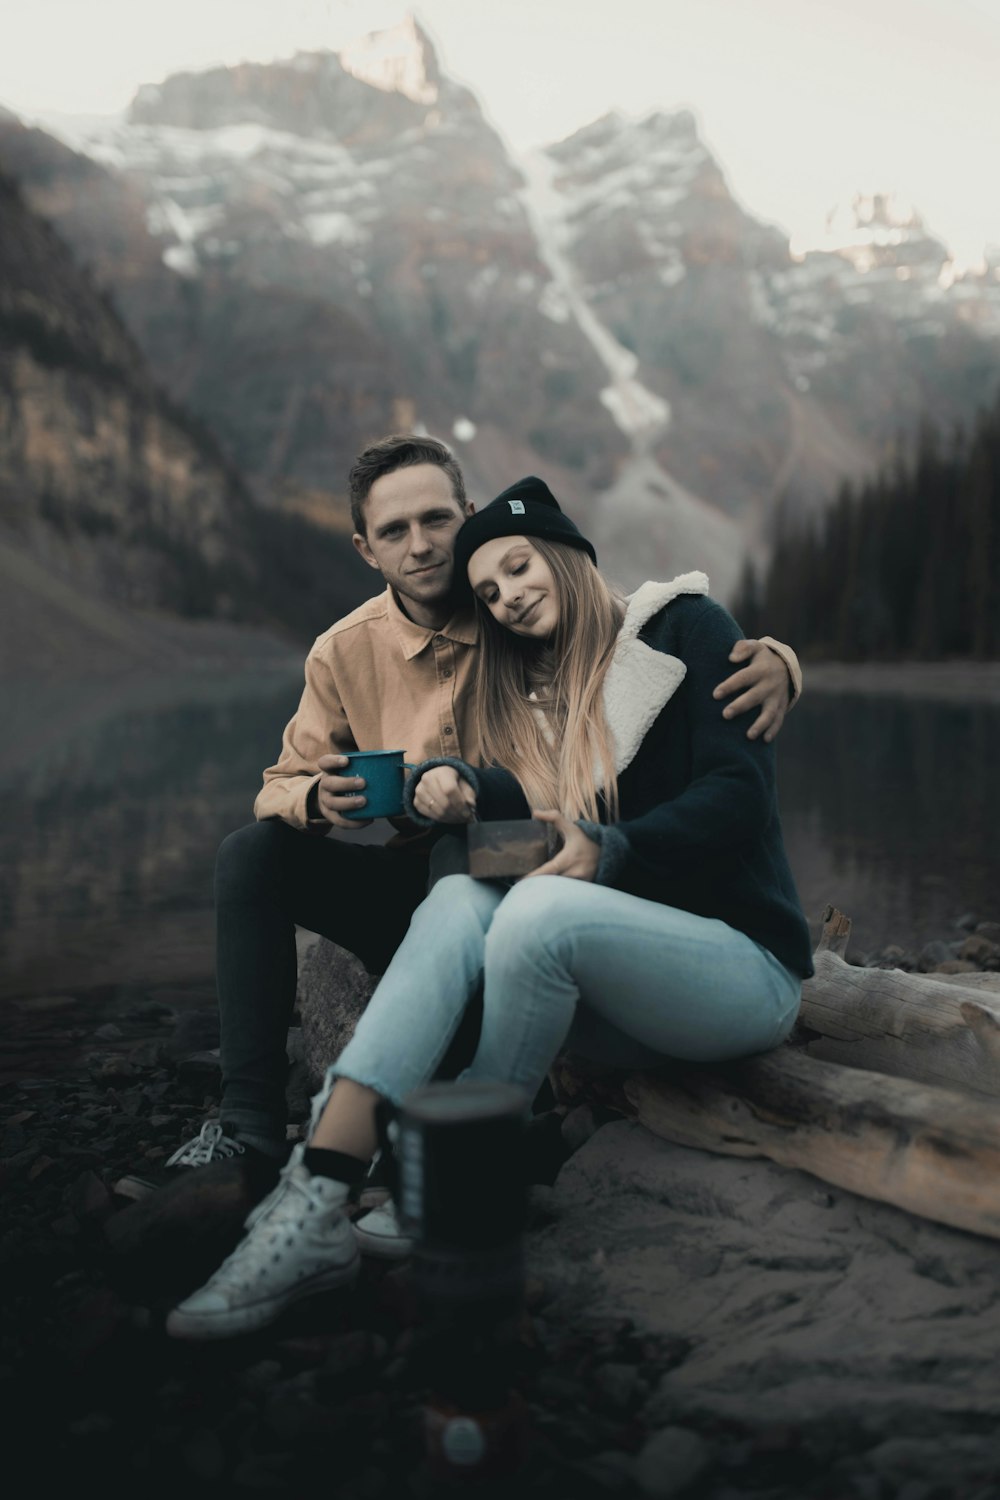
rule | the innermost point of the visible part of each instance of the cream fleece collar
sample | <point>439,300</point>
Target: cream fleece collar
<point>640,679</point>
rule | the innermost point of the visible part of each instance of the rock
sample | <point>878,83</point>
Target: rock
<point>14,1141</point>
<point>988,930</point>
<point>93,1325</point>
<point>109,1067</point>
<point>298,1097</point>
<point>149,1053</point>
<point>204,1455</point>
<point>536,1293</point>
<point>151,1010</point>
<point>977,949</point>
<point>916,1458</point>
<point>670,1462</point>
<point>109,1032</point>
<point>611,1472</point>
<point>42,1003</point>
<point>352,1351</point>
<point>578,1080</point>
<point>165,1245</point>
<point>292,1410</point>
<point>618,1384</point>
<point>88,1197</point>
<point>892,957</point>
<point>558,1387</point>
<point>196,1031</point>
<point>932,954</point>
<point>261,1376</point>
<point>334,988</point>
<point>968,921</point>
<point>954,966</point>
<point>265,1472</point>
<point>295,1047</point>
<point>583,1122</point>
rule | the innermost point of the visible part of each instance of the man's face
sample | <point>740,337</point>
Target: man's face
<point>412,519</point>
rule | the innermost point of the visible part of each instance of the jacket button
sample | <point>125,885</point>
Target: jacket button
<point>448,729</point>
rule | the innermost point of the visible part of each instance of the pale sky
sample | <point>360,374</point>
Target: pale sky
<point>803,101</point>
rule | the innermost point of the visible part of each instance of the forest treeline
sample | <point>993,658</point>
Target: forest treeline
<point>904,565</point>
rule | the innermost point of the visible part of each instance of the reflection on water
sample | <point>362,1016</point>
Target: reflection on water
<point>891,809</point>
<point>109,833</point>
<point>110,818</point>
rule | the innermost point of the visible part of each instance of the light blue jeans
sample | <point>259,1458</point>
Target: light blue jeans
<point>566,965</point>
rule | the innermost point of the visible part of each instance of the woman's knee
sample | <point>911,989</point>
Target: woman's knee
<point>457,898</point>
<point>535,914</point>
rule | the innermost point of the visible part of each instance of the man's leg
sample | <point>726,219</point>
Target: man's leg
<point>299,1239</point>
<point>269,878</point>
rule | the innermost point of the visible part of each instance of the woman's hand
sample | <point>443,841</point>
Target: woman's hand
<point>579,856</point>
<point>445,796</point>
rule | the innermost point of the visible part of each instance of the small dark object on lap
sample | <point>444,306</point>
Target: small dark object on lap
<point>507,849</point>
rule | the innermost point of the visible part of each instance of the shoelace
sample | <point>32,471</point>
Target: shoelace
<point>282,1212</point>
<point>210,1144</point>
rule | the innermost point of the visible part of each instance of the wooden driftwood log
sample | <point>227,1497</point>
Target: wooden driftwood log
<point>925,1149</point>
<point>925,1139</point>
<point>932,1029</point>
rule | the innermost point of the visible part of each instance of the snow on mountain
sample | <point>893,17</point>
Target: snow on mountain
<point>636,409</point>
<point>398,61</point>
<point>604,312</point>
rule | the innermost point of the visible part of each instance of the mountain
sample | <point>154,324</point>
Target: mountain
<point>95,465</point>
<point>395,210</point>
<point>315,251</point>
<point>782,374</point>
<point>112,498</point>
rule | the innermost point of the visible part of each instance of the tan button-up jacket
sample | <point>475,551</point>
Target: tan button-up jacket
<point>375,681</point>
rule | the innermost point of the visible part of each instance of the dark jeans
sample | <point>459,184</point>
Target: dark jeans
<point>269,879</point>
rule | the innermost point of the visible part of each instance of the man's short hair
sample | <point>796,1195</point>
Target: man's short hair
<point>402,450</point>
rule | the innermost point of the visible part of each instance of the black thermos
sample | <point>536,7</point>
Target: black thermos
<point>461,1195</point>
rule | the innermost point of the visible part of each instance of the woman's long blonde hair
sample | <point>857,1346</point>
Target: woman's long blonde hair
<point>555,743</point>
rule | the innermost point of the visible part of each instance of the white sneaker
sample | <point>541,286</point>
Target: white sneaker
<point>378,1234</point>
<point>299,1243</point>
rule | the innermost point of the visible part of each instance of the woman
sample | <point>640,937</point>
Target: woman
<point>667,925</point>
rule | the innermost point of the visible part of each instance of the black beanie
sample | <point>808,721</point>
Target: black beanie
<point>527,508</point>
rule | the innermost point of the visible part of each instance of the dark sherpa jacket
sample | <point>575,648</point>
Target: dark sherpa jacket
<point>698,823</point>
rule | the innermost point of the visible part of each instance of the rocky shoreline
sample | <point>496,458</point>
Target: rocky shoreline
<point>694,1325</point>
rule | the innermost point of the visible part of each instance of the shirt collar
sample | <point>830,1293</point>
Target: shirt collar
<point>414,638</point>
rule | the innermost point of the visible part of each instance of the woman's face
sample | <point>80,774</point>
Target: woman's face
<point>516,584</point>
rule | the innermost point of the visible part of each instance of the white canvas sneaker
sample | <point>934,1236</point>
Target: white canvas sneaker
<point>378,1234</point>
<point>299,1243</point>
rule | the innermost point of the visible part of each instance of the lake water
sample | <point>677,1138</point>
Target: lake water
<point>113,799</point>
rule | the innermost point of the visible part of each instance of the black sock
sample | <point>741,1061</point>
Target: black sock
<point>335,1164</point>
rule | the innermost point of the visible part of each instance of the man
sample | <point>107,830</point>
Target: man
<point>396,673</point>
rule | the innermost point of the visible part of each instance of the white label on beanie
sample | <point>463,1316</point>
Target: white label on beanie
<point>516,507</point>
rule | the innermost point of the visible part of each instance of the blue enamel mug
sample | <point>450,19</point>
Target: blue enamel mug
<point>384,772</point>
